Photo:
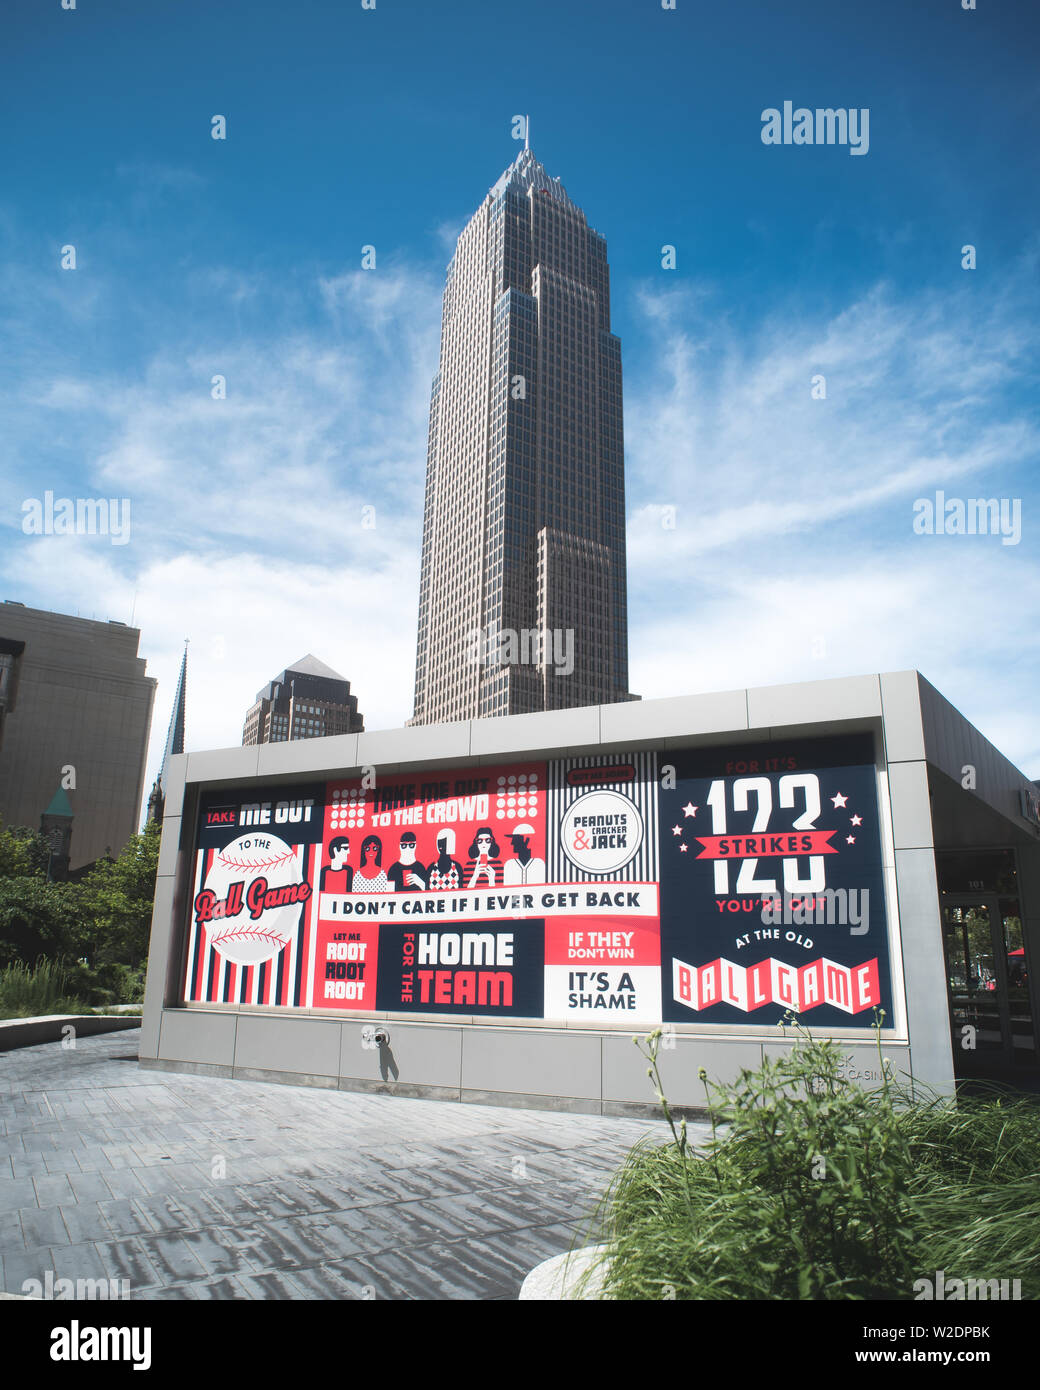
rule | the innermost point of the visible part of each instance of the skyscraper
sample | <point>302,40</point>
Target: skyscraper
<point>308,700</point>
<point>523,602</point>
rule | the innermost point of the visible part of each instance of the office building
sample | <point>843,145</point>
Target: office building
<point>523,602</point>
<point>78,714</point>
<point>10,664</point>
<point>308,700</point>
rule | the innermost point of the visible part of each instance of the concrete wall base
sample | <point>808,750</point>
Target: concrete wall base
<point>508,1099</point>
<point>30,1032</point>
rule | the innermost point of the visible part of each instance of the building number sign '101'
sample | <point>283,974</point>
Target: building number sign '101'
<point>802,841</point>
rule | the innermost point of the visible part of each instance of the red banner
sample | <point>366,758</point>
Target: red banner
<point>787,845</point>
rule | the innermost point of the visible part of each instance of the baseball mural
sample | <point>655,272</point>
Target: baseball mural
<point>619,888</point>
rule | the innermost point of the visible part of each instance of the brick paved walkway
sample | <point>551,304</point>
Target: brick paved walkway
<point>193,1187</point>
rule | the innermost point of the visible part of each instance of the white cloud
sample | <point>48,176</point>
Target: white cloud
<point>855,614</point>
<point>793,516</point>
<point>793,521</point>
<point>248,535</point>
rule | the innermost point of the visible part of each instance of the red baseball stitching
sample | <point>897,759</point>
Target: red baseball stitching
<point>249,936</point>
<point>257,864</point>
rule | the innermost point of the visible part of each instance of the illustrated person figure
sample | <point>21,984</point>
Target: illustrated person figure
<point>337,876</point>
<point>406,875</point>
<point>523,867</point>
<point>370,877</point>
<point>444,871</point>
<point>485,866</point>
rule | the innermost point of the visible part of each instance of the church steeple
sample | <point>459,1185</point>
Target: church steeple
<point>56,829</point>
<point>174,741</point>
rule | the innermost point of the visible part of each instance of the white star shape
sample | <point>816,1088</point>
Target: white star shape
<point>839,800</point>
<point>683,849</point>
<point>690,809</point>
<point>850,839</point>
<point>676,829</point>
<point>856,820</point>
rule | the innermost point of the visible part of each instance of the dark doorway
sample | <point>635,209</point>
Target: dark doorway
<point>987,968</point>
<point>987,977</point>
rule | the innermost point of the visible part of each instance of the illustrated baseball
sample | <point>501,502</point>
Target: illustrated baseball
<point>268,894</point>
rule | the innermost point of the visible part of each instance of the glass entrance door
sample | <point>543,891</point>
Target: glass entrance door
<point>990,1015</point>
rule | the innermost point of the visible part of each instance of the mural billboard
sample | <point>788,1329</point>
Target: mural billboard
<point>772,887</point>
<point>629,889</point>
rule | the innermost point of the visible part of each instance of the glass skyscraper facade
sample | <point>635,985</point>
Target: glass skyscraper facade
<point>523,602</point>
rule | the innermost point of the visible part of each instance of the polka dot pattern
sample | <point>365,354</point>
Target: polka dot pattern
<point>517,796</point>
<point>347,811</point>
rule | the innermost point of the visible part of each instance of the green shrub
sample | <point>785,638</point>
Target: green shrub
<point>104,985</point>
<point>813,1188</point>
<point>977,1185</point>
<point>990,1138</point>
<point>66,987</point>
<point>801,1195</point>
<point>38,990</point>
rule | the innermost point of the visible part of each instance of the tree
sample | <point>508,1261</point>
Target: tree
<point>24,853</point>
<point>99,927</point>
<point>37,919</point>
<point>116,918</point>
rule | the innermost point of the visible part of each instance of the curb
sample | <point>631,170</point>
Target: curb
<point>30,1032</point>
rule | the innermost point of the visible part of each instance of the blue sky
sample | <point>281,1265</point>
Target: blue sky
<point>792,555</point>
